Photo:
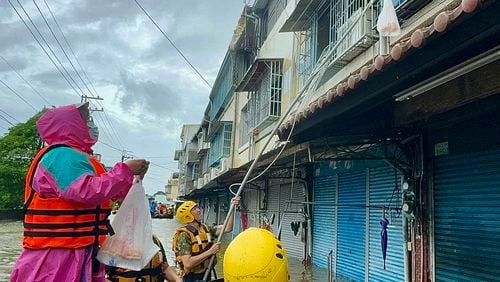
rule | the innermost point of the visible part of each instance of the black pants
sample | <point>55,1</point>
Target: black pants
<point>192,277</point>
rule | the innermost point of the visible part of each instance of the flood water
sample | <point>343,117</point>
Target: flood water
<point>11,236</point>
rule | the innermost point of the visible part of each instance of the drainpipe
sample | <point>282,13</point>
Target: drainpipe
<point>407,249</point>
<point>384,45</point>
<point>408,217</point>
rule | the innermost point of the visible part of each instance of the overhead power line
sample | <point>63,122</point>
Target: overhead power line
<point>20,97</point>
<point>160,166</point>
<point>62,49</point>
<point>172,43</point>
<point>111,146</point>
<point>29,84</point>
<point>6,120</point>
<point>82,69</point>
<point>7,114</point>
<point>41,46</point>
<point>50,49</point>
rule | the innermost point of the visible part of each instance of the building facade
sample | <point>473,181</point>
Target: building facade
<point>380,136</point>
<point>172,187</point>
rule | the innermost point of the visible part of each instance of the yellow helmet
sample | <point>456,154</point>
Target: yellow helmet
<point>184,212</point>
<point>255,255</point>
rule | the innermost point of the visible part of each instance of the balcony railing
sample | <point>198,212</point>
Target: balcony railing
<point>353,28</point>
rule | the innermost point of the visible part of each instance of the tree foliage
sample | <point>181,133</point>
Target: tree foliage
<point>17,149</point>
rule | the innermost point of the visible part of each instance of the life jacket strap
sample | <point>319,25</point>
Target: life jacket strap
<point>67,212</point>
<point>65,234</point>
<point>62,225</point>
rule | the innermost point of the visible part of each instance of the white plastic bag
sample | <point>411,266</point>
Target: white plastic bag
<point>387,23</point>
<point>131,246</point>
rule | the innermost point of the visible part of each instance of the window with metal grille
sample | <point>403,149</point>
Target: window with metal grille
<point>221,144</point>
<point>305,59</point>
<point>264,105</point>
<point>244,127</point>
<point>223,86</point>
<point>194,175</point>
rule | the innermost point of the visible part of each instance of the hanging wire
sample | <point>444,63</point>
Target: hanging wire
<point>50,48</point>
<point>29,84</point>
<point>6,120</point>
<point>43,48</point>
<point>82,69</point>
<point>7,114</point>
<point>17,94</point>
<point>172,43</point>
<point>60,46</point>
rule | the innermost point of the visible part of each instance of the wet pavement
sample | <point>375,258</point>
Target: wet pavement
<point>11,236</point>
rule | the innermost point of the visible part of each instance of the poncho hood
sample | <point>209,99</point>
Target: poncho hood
<point>64,125</point>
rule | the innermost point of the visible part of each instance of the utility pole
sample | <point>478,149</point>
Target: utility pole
<point>126,155</point>
<point>85,98</point>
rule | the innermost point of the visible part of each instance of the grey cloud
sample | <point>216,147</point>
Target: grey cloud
<point>152,97</point>
<point>18,63</point>
<point>137,80</point>
<point>52,79</point>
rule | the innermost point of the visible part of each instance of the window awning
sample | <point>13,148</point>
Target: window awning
<point>299,19</point>
<point>252,76</point>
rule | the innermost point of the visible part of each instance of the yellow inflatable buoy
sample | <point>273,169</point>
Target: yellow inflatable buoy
<point>255,255</point>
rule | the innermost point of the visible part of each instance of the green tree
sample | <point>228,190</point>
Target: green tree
<point>17,149</point>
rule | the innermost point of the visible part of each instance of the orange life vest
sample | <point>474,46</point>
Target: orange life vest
<point>59,223</point>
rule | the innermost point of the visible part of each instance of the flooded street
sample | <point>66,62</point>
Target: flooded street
<point>10,246</point>
<point>11,236</point>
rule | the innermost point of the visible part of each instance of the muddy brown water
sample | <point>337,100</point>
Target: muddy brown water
<point>11,236</point>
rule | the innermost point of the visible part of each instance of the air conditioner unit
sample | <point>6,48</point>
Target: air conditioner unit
<point>358,36</point>
<point>206,178</point>
<point>200,182</point>
<point>195,184</point>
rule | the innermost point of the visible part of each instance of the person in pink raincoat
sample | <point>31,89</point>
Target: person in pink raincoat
<point>67,200</point>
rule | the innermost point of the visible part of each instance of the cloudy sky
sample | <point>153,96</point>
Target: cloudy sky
<point>149,91</point>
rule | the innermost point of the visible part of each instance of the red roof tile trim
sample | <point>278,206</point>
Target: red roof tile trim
<point>441,22</point>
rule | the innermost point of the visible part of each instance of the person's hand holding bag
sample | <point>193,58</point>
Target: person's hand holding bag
<point>138,167</point>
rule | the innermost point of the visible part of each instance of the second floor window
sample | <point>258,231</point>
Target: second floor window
<point>244,128</point>
<point>194,175</point>
<point>220,146</point>
<point>265,100</point>
<point>305,58</point>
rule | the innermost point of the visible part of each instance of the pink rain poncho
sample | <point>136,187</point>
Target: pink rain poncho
<point>64,173</point>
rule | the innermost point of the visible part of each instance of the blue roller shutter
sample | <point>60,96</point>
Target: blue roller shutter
<point>290,212</point>
<point>467,217</point>
<point>279,204</point>
<point>324,227</point>
<point>351,225</point>
<point>382,181</point>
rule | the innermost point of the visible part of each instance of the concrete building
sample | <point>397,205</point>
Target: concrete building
<point>172,187</point>
<point>395,135</point>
